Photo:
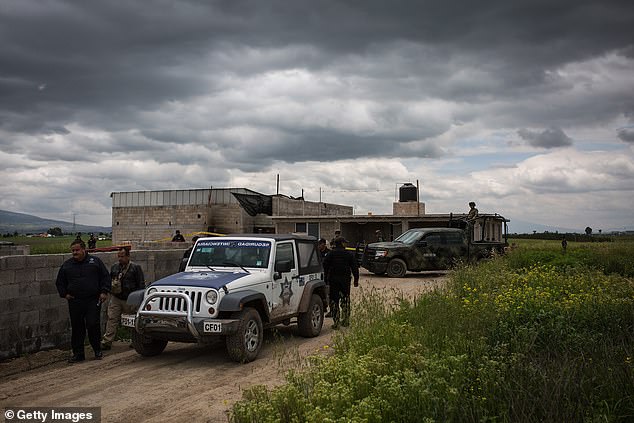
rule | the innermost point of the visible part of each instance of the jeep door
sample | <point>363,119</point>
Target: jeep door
<point>286,293</point>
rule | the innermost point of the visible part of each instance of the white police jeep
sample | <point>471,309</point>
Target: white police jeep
<point>234,287</point>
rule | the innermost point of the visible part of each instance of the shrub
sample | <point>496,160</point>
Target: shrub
<point>551,340</point>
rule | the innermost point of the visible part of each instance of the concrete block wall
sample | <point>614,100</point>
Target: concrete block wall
<point>15,250</point>
<point>229,219</point>
<point>326,229</point>
<point>408,208</point>
<point>288,207</point>
<point>157,223</point>
<point>32,315</point>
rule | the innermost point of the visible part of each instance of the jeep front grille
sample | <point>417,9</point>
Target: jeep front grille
<point>178,304</point>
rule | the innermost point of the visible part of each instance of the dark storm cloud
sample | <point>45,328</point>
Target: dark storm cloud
<point>324,145</point>
<point>106,55</point>
<point>548,138</point>
<point>626,134</point>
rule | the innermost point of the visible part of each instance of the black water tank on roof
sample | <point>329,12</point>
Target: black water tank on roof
<point>407,192</point>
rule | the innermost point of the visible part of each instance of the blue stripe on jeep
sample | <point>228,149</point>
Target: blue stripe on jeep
<point>200,279</point>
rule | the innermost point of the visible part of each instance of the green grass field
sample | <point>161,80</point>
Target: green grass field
<point>55,245</point>
<point>535,336</point>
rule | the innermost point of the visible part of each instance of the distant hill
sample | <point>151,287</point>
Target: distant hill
<point>522,227</point>
<point>11,222</point>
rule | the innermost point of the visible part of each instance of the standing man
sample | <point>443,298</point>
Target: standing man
<point>84,282</point>
<point>186,254</point>
<point>473,212</point>
<point>323,248</point>
<point>92,242</point>
<point>126,277</point>
<point>337,235</point>
<point>178,237</point>
<point>339,265</point>
<point>471,217</point>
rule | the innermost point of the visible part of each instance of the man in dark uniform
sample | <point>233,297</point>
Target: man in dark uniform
<point>92,242</point>
<point>85,283</point>
<point>186,254</point>
<point>322,246</point>
<point>178,237</point>
<point>339,265</point>
<point>473,212</point>
<point>126,277</point>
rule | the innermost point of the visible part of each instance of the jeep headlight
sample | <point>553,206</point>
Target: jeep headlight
<point>151,291</point>
<point>380,253</point>
<point>211,296</point>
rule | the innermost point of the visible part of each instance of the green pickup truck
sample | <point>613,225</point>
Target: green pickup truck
<point>438,248</point>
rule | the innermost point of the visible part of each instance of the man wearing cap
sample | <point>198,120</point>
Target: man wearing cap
<point>339,265</point>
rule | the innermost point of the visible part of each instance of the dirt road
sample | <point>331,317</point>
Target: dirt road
<point>187,383</point>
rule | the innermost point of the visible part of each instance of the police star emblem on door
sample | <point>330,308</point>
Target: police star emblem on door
<point>286,293</point>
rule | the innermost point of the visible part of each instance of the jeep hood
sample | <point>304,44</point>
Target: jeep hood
<point>205,279</point>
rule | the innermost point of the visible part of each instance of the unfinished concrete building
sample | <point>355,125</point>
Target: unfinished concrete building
<point>155,216</point>
<point>143,216</point>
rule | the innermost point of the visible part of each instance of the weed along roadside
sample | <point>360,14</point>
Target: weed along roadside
<point>533,336</point>
<point>187,382</point>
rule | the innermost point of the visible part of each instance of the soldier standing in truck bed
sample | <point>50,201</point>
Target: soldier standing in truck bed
<point>473,212</point>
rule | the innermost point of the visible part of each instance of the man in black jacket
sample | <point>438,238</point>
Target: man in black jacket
<point>84,282</point>
<point>339,265</point>
<point>126,277</point>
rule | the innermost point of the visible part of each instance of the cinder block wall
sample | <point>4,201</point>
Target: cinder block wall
<point>159,223</point>
<point>32,315</point>
<point>408,208</point>
<point>290,207</point>
<point>15,250</point>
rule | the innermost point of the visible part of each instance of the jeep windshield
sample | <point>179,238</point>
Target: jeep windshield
<point>231,253</point>
<point>409,237</point>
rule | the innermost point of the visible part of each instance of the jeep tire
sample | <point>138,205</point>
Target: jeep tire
<point>396,268</point>
<point>244,345</point>
<point>309,324</point>
<point>147,346</point>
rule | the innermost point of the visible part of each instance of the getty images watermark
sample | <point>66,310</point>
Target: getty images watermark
<point>52,414</point>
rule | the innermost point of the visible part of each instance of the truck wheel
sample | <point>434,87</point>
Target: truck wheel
<point>147,346</point>
<point>309,324</point>
<point>396,268</point>
<point>244,345</point>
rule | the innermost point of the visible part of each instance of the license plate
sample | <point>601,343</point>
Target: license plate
<point>128,320</point>
<point>212,327</point>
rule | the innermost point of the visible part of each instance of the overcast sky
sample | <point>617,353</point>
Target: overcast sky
<point>526,107</point>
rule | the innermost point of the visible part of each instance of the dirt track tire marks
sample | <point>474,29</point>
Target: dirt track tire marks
<point>187,382</point>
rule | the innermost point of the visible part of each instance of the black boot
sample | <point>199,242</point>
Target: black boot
<point>334,310</point>
<point>345,312</point>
